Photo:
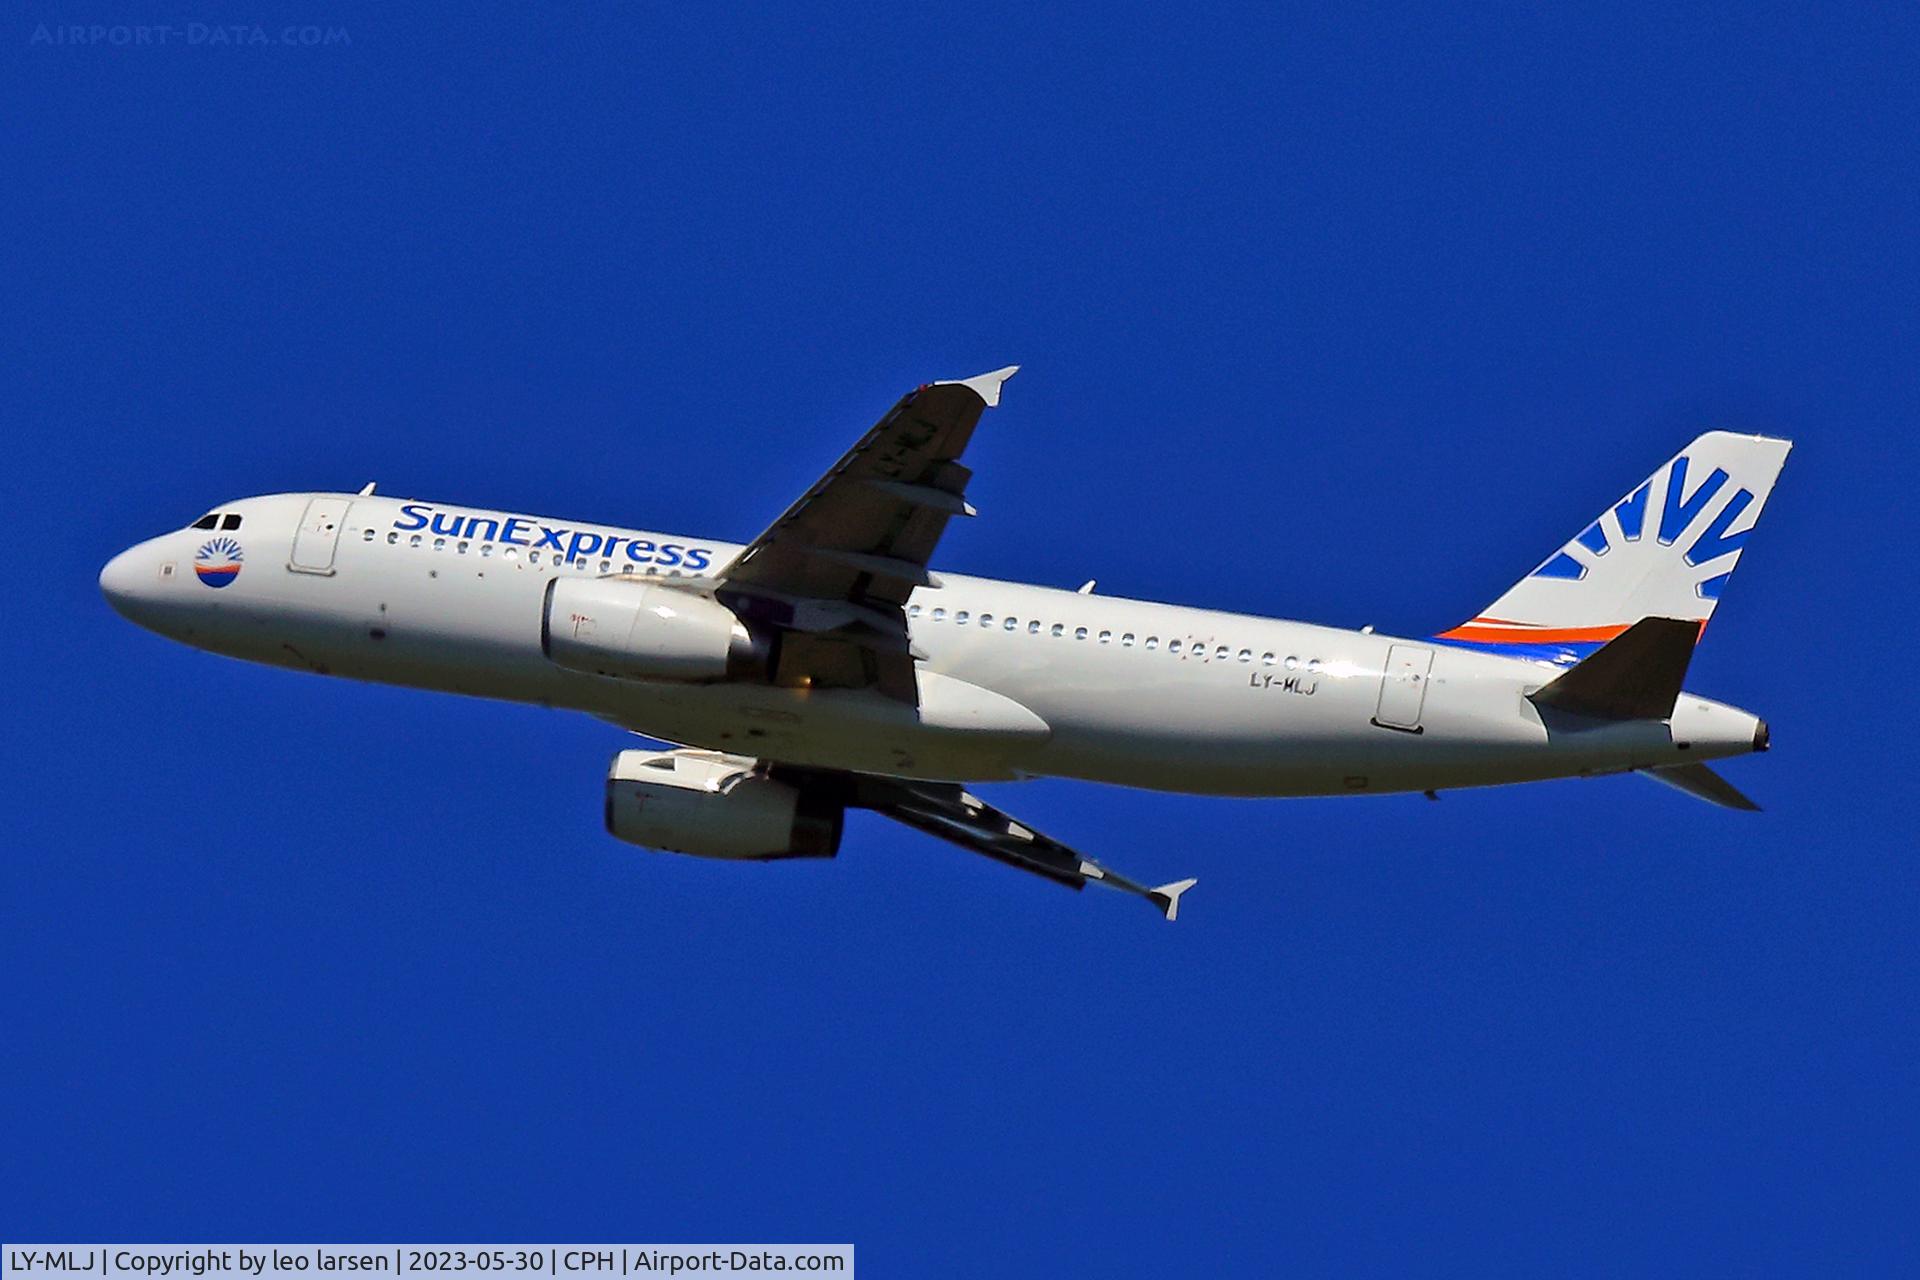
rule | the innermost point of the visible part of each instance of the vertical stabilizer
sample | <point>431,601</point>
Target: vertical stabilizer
<point>1665,550</point>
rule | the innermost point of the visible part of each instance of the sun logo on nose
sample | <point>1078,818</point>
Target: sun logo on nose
<point>217,563</point>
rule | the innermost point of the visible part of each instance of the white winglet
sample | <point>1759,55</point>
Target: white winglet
<point>987,385</point>
<point>1168,895</point>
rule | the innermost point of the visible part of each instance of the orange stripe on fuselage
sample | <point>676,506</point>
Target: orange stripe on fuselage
<point>1510,633</point>
<point>1498,631</point>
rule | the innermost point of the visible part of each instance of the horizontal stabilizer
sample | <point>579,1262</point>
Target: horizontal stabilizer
<point>1637,675</point>
<point>1702,783</point>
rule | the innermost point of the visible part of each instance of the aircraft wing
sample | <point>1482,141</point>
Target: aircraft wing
<point>959,817</point>
<point>835,570</point>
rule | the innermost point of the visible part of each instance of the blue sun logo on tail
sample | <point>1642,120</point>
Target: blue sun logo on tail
<point>217,563</point>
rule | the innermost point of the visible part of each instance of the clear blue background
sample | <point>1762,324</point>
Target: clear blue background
<point>1347,317</point>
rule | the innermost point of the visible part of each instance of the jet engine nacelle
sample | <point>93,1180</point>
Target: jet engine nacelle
<point>640,630</point>
<point>716,806</point>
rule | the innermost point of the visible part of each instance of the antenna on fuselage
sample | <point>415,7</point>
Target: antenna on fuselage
<point>1086,588</point>
<point>368,491</point>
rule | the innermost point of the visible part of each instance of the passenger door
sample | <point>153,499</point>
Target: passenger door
<point>318,536</point>
<point>1403,688</point>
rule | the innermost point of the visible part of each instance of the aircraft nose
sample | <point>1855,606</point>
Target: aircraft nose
<point>120,581</point>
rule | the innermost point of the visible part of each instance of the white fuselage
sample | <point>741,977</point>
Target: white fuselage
<point>1016,680</point>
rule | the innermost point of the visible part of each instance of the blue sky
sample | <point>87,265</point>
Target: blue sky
<point>1335,315</point>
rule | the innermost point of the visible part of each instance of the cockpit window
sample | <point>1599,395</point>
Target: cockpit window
<point>207,522</point>
<point>230,521</point>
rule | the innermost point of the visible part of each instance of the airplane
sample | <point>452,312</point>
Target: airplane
<point>825,666</point>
